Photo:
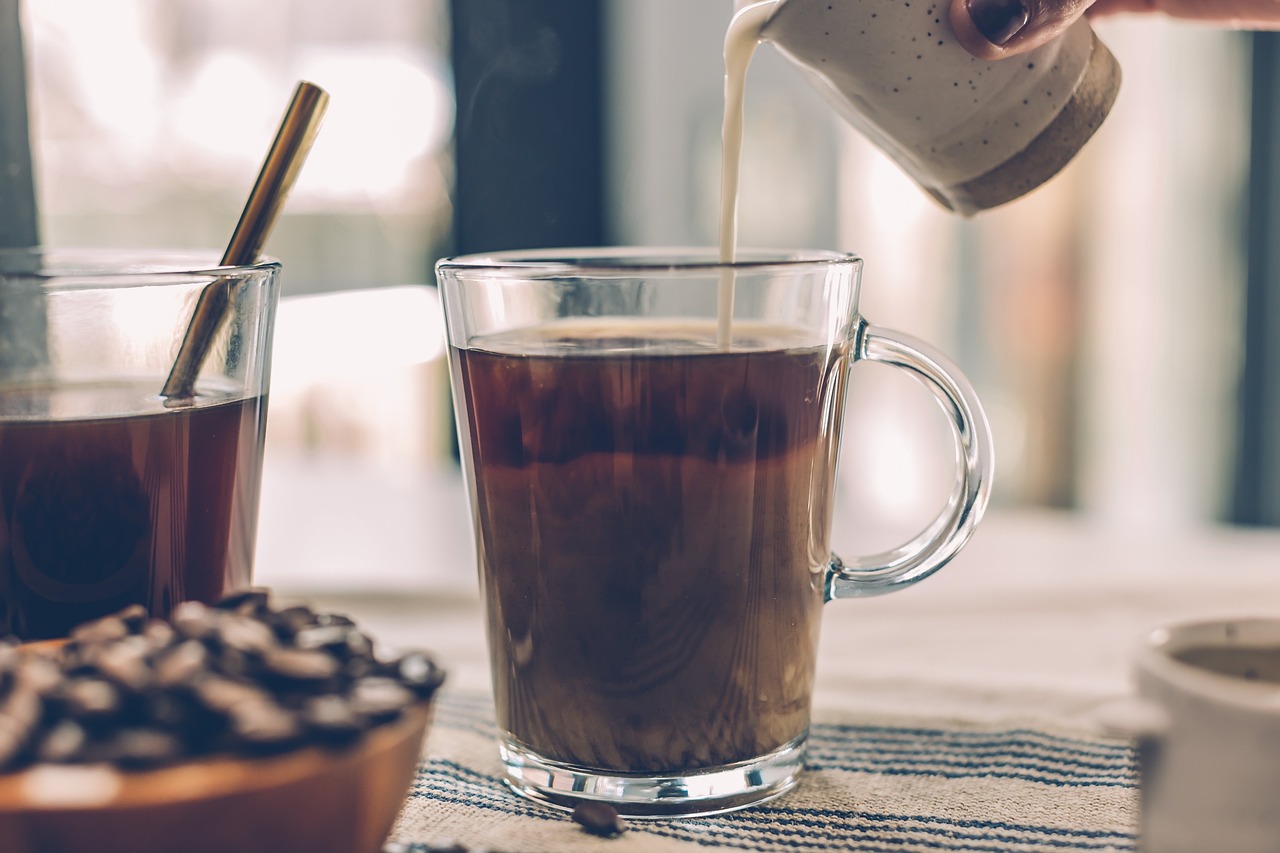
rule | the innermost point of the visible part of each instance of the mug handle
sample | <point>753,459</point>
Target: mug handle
<point>877,574</point>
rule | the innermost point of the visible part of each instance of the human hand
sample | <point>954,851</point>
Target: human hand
<point>993,29</point>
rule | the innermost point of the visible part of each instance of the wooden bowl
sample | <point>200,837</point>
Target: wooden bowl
<point>315,799</point>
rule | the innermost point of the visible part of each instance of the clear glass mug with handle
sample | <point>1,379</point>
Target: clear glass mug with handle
<point>652,508</point>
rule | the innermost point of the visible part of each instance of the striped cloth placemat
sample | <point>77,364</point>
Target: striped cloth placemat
<point>872,785</point>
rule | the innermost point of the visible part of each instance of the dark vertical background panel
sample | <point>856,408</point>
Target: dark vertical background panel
<point>530,133</point>
<point>1257,481</point>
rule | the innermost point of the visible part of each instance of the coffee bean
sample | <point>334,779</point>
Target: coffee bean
<point>125,663</point>
<point>181,664</point>
<point>599,819</point>
<point>63,743</point>
<point>223,695</point>
<point>142,748</point>
<point>19,718</point>
<point>91,700</point>
<point>324,619</point>
<point>379,699</point>
<point>331,718</point>
<point>358,644</point>
<point>288,622</point>
<point>13,743</point>
<point>244,634</point>
<point>247,601</point>
<point>360,667</point>
<point>300,666</point>
<point>102,630</point>
<point>166,709</point>
<point>193,620</point>
<point>316,637</point>
<point>264,726</point>
<point>159,634</point>
<point>39,674</point>
<point>134,617</point>
<point>418,672</point>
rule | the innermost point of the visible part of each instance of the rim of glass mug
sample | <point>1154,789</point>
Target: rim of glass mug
<point>64,269</point>
<point>597,261</point>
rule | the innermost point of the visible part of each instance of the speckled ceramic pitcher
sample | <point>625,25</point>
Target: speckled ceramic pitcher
<point>974,134</point>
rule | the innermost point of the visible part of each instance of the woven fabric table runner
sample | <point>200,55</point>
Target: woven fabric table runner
<point>871,785</point>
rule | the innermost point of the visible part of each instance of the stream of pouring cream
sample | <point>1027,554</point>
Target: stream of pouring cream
<point>740,42</point>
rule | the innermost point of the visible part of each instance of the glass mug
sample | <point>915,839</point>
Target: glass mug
<point>111,494</point>
<point>652,509</point>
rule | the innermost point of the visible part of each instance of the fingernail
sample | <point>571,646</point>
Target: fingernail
<point>998,20</point>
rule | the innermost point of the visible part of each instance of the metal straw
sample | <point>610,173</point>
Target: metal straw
<point>279,171</point>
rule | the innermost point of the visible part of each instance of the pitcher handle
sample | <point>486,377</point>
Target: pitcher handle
<point>877,574</point>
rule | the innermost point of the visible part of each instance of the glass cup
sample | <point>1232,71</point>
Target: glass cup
<point>111,494</point>
<point>653,506</point>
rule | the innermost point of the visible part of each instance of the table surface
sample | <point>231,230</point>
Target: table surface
<point>959,714</point>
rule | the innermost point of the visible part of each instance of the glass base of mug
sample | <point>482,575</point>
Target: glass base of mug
<point>706,791</point>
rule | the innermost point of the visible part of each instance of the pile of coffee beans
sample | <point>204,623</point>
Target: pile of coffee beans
<point>238,677</point>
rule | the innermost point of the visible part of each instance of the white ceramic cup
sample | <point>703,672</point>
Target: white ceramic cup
<point>1207,723</point>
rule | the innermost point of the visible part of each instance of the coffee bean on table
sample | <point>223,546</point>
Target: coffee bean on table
<point>599,819</point>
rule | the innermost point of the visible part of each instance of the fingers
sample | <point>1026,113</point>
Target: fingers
<point>1243,14</point>
<point>994,29</point>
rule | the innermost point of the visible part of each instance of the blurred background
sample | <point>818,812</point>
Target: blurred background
<point>1120,323</point>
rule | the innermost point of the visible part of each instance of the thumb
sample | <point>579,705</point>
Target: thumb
<point>994,29</point>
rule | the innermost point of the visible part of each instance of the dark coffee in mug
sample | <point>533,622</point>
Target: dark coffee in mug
<point>652,523</point>
<point>108,498</point>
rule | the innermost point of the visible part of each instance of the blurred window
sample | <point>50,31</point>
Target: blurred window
<point>151,118</point>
